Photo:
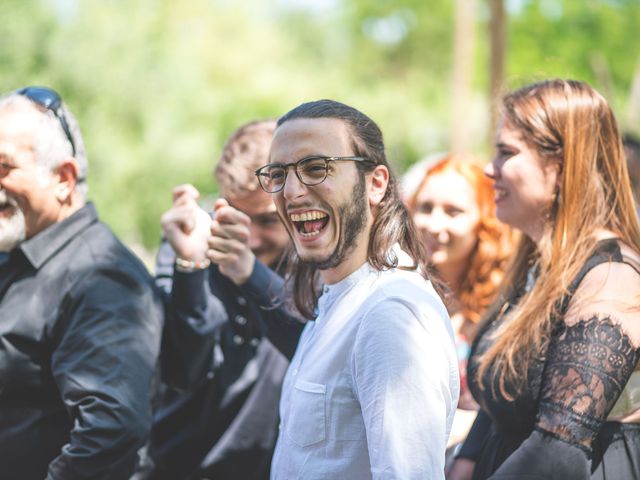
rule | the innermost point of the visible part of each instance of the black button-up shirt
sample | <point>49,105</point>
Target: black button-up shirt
<point>80,328</point>
<point>225,424</point>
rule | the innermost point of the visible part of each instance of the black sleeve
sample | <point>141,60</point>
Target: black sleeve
<point>544,457</point>
<point>283,327</point>
<point>105,352</point>
<point>472,447</point>
<point>193,316</point>
<point>588,365</point>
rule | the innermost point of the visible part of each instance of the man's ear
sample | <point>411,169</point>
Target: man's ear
<point>379,179</point>
<point>66,175</point>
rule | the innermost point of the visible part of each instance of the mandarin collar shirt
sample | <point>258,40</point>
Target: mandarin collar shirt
<point>373,385</point>
<point>80,327</point>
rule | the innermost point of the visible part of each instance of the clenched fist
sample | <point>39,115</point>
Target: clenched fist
<point>186,226</point>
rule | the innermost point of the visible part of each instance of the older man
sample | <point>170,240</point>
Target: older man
<point>373,385</point>
<point>79,322</point>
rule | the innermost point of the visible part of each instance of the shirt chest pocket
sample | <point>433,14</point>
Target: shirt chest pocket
<point>307,418</point>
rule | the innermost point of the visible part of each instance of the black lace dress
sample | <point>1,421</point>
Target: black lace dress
<point>558,428</point>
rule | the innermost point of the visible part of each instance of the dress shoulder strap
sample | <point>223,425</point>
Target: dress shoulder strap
<point>606,251</point>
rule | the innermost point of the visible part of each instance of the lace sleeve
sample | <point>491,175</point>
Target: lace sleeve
<point>587,368</point>
<point>591,356</point>
<point>589,360</point>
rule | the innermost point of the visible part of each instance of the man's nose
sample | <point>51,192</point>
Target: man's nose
<point>293,187</point>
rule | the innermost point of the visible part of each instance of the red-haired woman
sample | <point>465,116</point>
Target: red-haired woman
<point>453,210</point>
<point>554,367</point>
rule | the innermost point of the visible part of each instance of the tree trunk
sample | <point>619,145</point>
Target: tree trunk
<point>497,40</point>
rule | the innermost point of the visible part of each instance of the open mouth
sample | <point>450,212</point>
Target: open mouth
<point>6,209</point>
<point>309,224</point>
<point>499,193</point>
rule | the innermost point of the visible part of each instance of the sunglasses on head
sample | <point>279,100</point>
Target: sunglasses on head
<point>49,100</point>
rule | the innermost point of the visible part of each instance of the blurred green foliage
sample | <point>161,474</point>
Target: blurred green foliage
<point>157,85</point>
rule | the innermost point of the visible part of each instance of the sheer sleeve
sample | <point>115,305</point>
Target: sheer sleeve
<point>590,358</point>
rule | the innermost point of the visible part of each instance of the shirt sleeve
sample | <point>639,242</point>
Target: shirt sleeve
<point>105,352</point>
<point>192,316</point>
<point>195,318</point>
<point>403,369</point>
<point>283,326</point>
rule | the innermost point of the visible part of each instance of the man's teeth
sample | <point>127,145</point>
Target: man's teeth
<point>307,216</point>
<point>310,234</point>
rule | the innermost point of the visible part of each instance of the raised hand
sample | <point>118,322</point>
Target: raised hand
<point>229,242</point>
<point>186,226</point>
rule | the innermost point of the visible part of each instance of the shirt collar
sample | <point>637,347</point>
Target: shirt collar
<point>403,258</point>
<point>39,248</point>
<point>346,283</point>
<point>330,293</point>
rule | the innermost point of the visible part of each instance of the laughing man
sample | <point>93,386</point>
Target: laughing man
<point>373,385</point>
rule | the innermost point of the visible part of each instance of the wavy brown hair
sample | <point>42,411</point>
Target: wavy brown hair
<point>565,121</point>
<point>488,261</point>
<point>392,223</point>
<point>245,150</point>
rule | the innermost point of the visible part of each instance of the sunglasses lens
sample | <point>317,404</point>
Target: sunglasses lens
<point>42,96</point>
<point>49,99</point>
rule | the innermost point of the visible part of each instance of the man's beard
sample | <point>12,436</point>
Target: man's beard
<point>353,217</point>
<point>13,229</point>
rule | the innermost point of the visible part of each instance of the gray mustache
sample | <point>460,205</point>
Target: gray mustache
<point>5,198</point>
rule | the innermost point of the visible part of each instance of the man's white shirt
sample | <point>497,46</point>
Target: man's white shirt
<point>373,386</point>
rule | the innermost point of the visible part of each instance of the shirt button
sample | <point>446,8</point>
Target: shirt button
<point>254,342</point>
<point>238,340</point>
<point>280,426</point>
<point>241,301</point>
<point>240,320</point>
<point>295,371</point>
<point>325,289</point>
<point>210,375</point>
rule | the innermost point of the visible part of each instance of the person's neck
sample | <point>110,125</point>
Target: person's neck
<point>539,232</point>
<point>71,207</point>
<point>352,259</point>
<point>452,273</point>
<point>342,271</point>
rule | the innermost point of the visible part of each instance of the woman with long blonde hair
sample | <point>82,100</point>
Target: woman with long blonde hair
<point>554,366</point>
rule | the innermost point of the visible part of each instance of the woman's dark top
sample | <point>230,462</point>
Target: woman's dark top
<point>557,428</point>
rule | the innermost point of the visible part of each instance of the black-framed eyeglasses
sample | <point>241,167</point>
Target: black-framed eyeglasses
<point>310,171</point>
<point>50,100</point>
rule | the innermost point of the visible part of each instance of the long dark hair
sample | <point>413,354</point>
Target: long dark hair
<point>392,223</point>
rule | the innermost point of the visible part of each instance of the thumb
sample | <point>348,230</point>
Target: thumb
<point>221,202</point>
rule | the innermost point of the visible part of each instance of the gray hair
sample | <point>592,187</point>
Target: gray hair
<point>50,143</point>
